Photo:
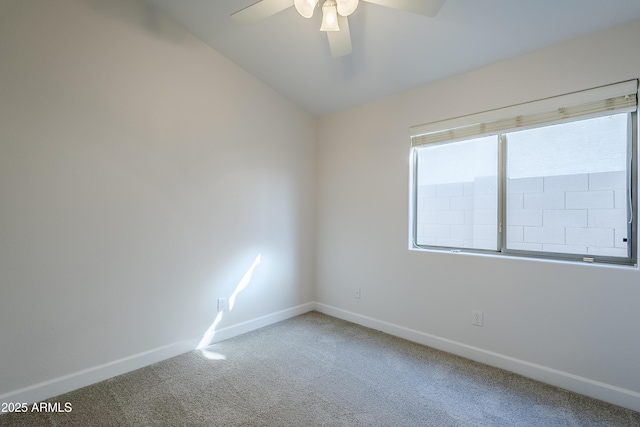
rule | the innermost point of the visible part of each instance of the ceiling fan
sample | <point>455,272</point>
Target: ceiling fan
<point>334,15</point>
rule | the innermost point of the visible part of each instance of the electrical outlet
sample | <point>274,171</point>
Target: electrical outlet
<point>222,304</point>
<point>476,318</point>
<point>356,294</point>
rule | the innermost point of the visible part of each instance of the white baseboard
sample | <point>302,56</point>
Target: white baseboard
<point>64,384</point>
<point>259,322</point>
<point>585,386</point>
<point>57,386</point>
<point>588,387</point>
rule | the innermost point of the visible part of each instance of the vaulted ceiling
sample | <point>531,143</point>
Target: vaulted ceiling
<point>392,50</point>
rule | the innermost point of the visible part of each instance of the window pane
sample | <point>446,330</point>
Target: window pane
<point>457,195</point>
<point>567,188</point>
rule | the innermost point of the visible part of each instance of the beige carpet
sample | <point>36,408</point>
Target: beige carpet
<point>315,370</point>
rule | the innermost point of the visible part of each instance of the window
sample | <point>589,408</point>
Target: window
<point>554,178</point>
<point>458,194</point>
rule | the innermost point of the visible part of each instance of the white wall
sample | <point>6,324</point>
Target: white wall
<point>141,173</point>
<point>574,321</point>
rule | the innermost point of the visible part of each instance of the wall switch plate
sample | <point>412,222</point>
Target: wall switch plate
<point>222,304</point>
<point>356,294</point>
<point>476,318</point>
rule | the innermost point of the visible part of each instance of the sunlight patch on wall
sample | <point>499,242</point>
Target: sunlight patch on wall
<point>244,282</point>
<point>208,336</point>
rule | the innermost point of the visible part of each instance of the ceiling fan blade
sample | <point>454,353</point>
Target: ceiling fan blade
<point>422,7</point>
<point>260,10</point>
<point>340,41</point>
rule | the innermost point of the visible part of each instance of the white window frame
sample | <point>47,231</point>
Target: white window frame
<point>601,101</point>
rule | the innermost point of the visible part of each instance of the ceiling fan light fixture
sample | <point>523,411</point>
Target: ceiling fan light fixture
<point>329,16</point>
<point>346,7</point>
<point>305,7</point>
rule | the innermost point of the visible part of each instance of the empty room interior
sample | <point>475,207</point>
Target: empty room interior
<point>173,177</point>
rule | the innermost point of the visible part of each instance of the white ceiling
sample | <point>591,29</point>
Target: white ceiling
<point>392,50</point>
